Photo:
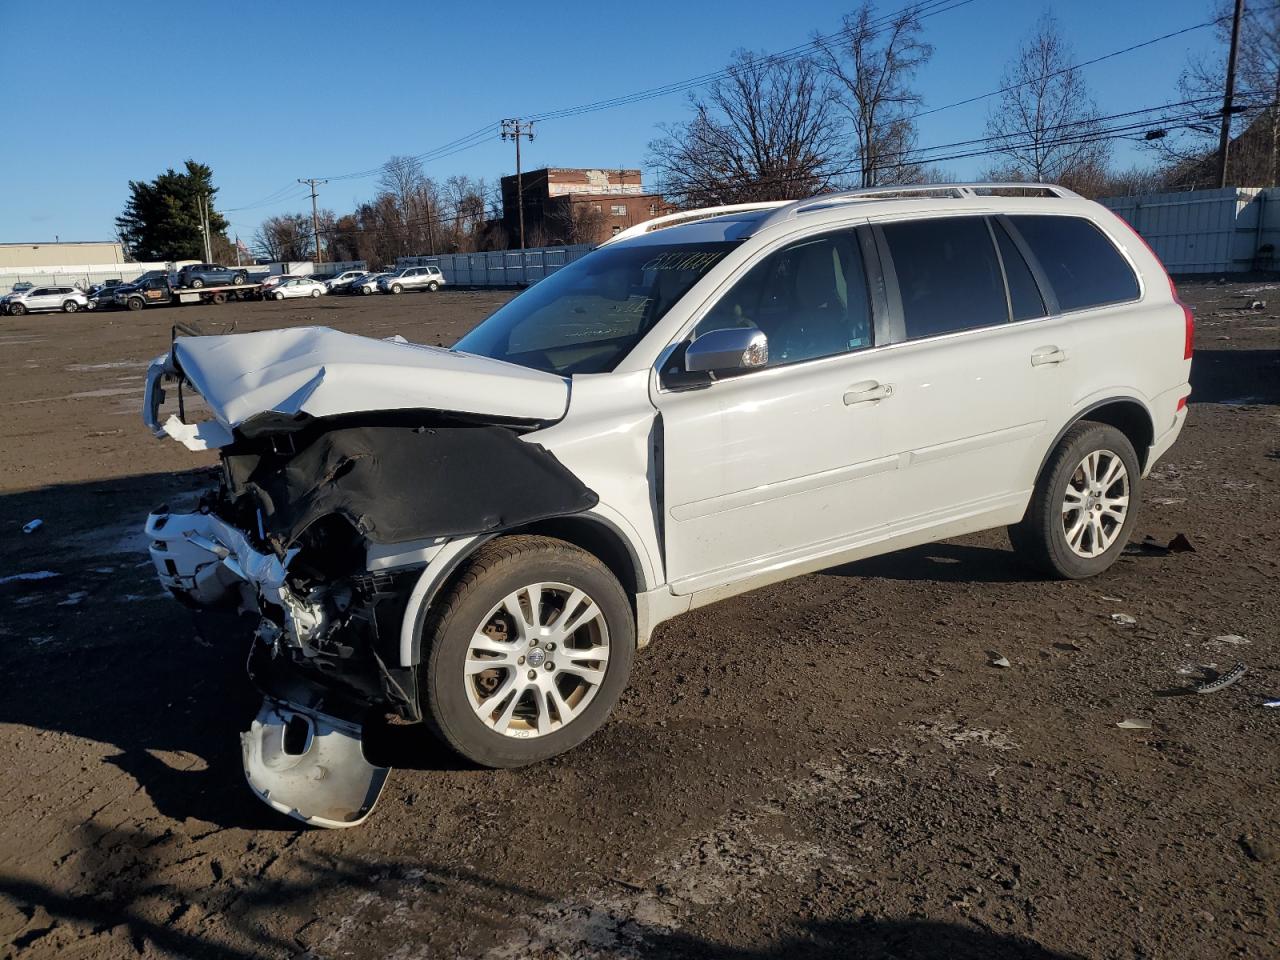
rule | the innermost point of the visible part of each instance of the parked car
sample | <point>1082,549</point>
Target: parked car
<point>211,275</point>
<point>68,299</point>
<point>481,537</point>
<point>342,280</point>
<point>412,278</point>
<point>367,284</point>
<point>276,279</point>
<point>103,297</point>
<point>22,286</point>
<point>297,287</point>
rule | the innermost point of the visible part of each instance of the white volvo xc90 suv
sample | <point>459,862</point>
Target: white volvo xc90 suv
<point>481,537</point>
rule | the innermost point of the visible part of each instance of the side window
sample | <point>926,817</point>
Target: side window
<point>948,275</point>
<point>1025,302</point>
<point>810,299</point>
<point>1082,265</point>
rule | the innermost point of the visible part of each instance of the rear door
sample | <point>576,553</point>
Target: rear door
<point>975,369</point>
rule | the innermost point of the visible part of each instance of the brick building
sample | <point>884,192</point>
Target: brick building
<point>577,205</point>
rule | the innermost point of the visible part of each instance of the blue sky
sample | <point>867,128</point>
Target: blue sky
<point>269,92</point>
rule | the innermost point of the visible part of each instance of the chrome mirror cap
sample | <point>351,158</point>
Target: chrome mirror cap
<point>721,351</point>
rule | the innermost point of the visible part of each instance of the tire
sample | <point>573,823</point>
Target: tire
<point>219,297</point>
<point>238,279</point>
<point>314,294</point>
<point>135,303</point>
<point>197,283</point>
<point>17,309</point>
<point>278,295</point>
<point>433,286</point>
<point>366,291</point>
<point>1072,542</point>
<point>396,288</point>
<point>473,605</point>
<point>70,307</point>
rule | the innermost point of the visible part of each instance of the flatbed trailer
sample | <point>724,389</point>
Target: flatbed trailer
<point>156,293</point>
<point>221,294</point>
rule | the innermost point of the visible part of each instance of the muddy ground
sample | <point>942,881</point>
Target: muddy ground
<point>826,768</point>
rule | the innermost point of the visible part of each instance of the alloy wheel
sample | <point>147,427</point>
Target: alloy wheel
<point>1095,504</point>
<point>537,660</point>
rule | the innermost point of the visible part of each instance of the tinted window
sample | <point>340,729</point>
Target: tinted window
<point>1082,265</point>
<point>810,299</point>
<point>948,275</point>
<point>1025,301</point>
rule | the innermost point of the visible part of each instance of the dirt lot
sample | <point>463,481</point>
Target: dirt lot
<point>831,767</point>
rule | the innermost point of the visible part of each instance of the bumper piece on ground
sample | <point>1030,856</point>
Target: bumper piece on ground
<point>310,766</point>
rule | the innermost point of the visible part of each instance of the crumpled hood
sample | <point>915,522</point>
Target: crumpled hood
<point>323,373</point>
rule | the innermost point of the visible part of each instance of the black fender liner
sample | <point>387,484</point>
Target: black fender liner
<point>404,482</point>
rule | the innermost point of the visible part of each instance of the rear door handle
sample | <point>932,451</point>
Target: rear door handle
<point>867,392</point>
<point>1044,355</point>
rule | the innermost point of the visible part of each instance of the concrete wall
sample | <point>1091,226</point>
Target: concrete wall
<point>24,256</point>
<point>1231,230</point>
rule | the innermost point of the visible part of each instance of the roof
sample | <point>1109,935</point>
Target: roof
<point>739,221</point>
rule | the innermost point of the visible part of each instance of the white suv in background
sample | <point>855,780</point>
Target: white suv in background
<point>46,300</point>
<point>412,278</point>
<point>481,537</point>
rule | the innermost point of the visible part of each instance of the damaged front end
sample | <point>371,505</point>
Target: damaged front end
<point>319,529</point>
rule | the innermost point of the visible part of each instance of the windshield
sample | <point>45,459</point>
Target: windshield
<point>586,317</point>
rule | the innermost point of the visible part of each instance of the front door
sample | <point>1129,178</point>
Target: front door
<point>766,467</point>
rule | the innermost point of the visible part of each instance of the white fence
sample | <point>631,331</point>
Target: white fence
<point>1231,230</point>
<point>83,275</point>
<point>499,268</point>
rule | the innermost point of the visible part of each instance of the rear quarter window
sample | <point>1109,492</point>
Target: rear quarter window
<point>1082,265</point>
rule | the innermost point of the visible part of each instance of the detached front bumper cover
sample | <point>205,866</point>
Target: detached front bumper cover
<point>310,766</point>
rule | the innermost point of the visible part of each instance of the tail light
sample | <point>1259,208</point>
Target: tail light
<point>1188,316</point>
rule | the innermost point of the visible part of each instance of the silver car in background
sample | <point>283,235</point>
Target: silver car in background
<point>45,300</point>
<point>412,278</point>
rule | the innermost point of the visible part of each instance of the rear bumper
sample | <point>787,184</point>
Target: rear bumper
<point>1166,438</point>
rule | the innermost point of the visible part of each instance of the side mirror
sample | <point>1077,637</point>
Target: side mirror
<point>727,351</point>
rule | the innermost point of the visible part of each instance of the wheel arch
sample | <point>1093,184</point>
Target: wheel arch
<point>1127,414</point>
<point>592,534</point>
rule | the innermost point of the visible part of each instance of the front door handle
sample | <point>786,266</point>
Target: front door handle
<point>867,392</point>
<point>1045,355</point>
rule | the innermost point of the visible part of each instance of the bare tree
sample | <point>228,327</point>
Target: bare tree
<point>871,65</point>
<point>1189,152</point>
<point>286,237</point>
<point>576,221</point>
<point>766,131</point>
<point>1045,124</point>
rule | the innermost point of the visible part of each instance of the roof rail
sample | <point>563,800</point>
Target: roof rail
<point>955,191</point>
<point>689,216</point>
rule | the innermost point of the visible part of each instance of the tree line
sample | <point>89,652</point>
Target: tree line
<point>841,113</point>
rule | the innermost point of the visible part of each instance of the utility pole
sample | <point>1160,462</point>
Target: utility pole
<point>1224,138</point>
<point>315,217</point>
<point>514,130</point>
<point>204,226</point>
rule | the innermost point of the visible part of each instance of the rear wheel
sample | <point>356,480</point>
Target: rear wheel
<point>70,306</point>
<point>527,652</point>
<point>433,286</point>
<point>1084,504</point>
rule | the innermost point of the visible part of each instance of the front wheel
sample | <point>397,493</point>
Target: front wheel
<point>135,303</point>
<point>315,293</point>
<point>197,283</point>
<point>17,309</point>
<point>396,288</point>
<point>527,652</point>
<point>238,279</point>
<point>278,295</point>
<point>70,307</point>
<point>1084,504</point>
